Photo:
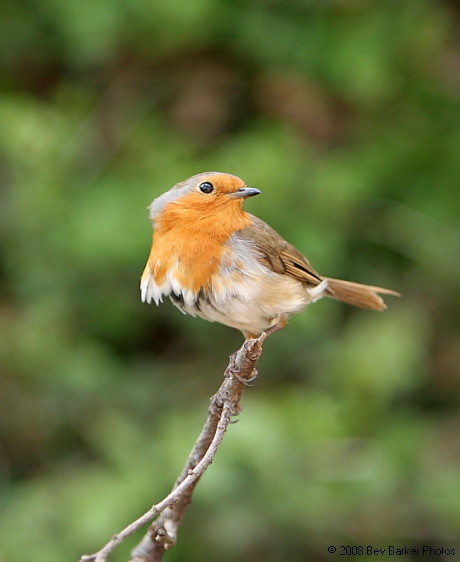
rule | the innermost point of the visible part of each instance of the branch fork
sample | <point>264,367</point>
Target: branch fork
<point>162,533</point>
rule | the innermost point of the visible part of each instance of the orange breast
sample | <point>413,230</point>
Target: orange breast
<point>189,237</point>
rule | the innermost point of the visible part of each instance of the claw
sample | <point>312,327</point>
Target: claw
<point>246,382</point>
<point>255,374</point>
<point>231,371</point>
<point>236,413</point>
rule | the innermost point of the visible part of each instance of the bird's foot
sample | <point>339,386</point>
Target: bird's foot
<point>232,371</point>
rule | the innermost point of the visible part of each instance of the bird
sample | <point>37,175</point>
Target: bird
<point>216,261</point>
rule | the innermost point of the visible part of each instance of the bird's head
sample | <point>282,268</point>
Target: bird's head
<point>202,195</point>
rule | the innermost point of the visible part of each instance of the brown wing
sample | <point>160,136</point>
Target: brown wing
<point>282,257</point>
<point>277,254</point>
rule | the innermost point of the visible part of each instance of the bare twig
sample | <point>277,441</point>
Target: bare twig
<point>162,534</point>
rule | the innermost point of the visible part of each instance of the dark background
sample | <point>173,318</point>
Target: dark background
<point>346,114</point>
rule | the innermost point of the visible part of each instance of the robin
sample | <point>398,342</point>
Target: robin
<point>218,262</point>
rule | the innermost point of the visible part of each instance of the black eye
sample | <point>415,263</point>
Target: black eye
<point>206,187</point>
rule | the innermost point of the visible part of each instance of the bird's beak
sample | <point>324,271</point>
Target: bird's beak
<point>245,192</point>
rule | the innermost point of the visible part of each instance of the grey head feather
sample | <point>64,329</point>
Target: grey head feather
<point>179,190</point>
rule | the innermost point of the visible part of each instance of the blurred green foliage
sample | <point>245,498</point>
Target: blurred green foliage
<point>347,115</point>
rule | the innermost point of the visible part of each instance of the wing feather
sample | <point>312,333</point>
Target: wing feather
<point>282,257</point>
<point>277,254</point>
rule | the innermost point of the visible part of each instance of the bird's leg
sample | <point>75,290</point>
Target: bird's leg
<point>278,326</point>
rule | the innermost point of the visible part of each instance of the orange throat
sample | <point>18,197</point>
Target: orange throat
<point>189,241</point>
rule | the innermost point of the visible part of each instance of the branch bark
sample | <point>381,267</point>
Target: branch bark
<point>162,534</point>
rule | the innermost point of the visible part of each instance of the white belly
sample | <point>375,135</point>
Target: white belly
<point>245,294</point>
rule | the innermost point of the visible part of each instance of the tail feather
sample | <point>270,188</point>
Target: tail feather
<point>356,294</point>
